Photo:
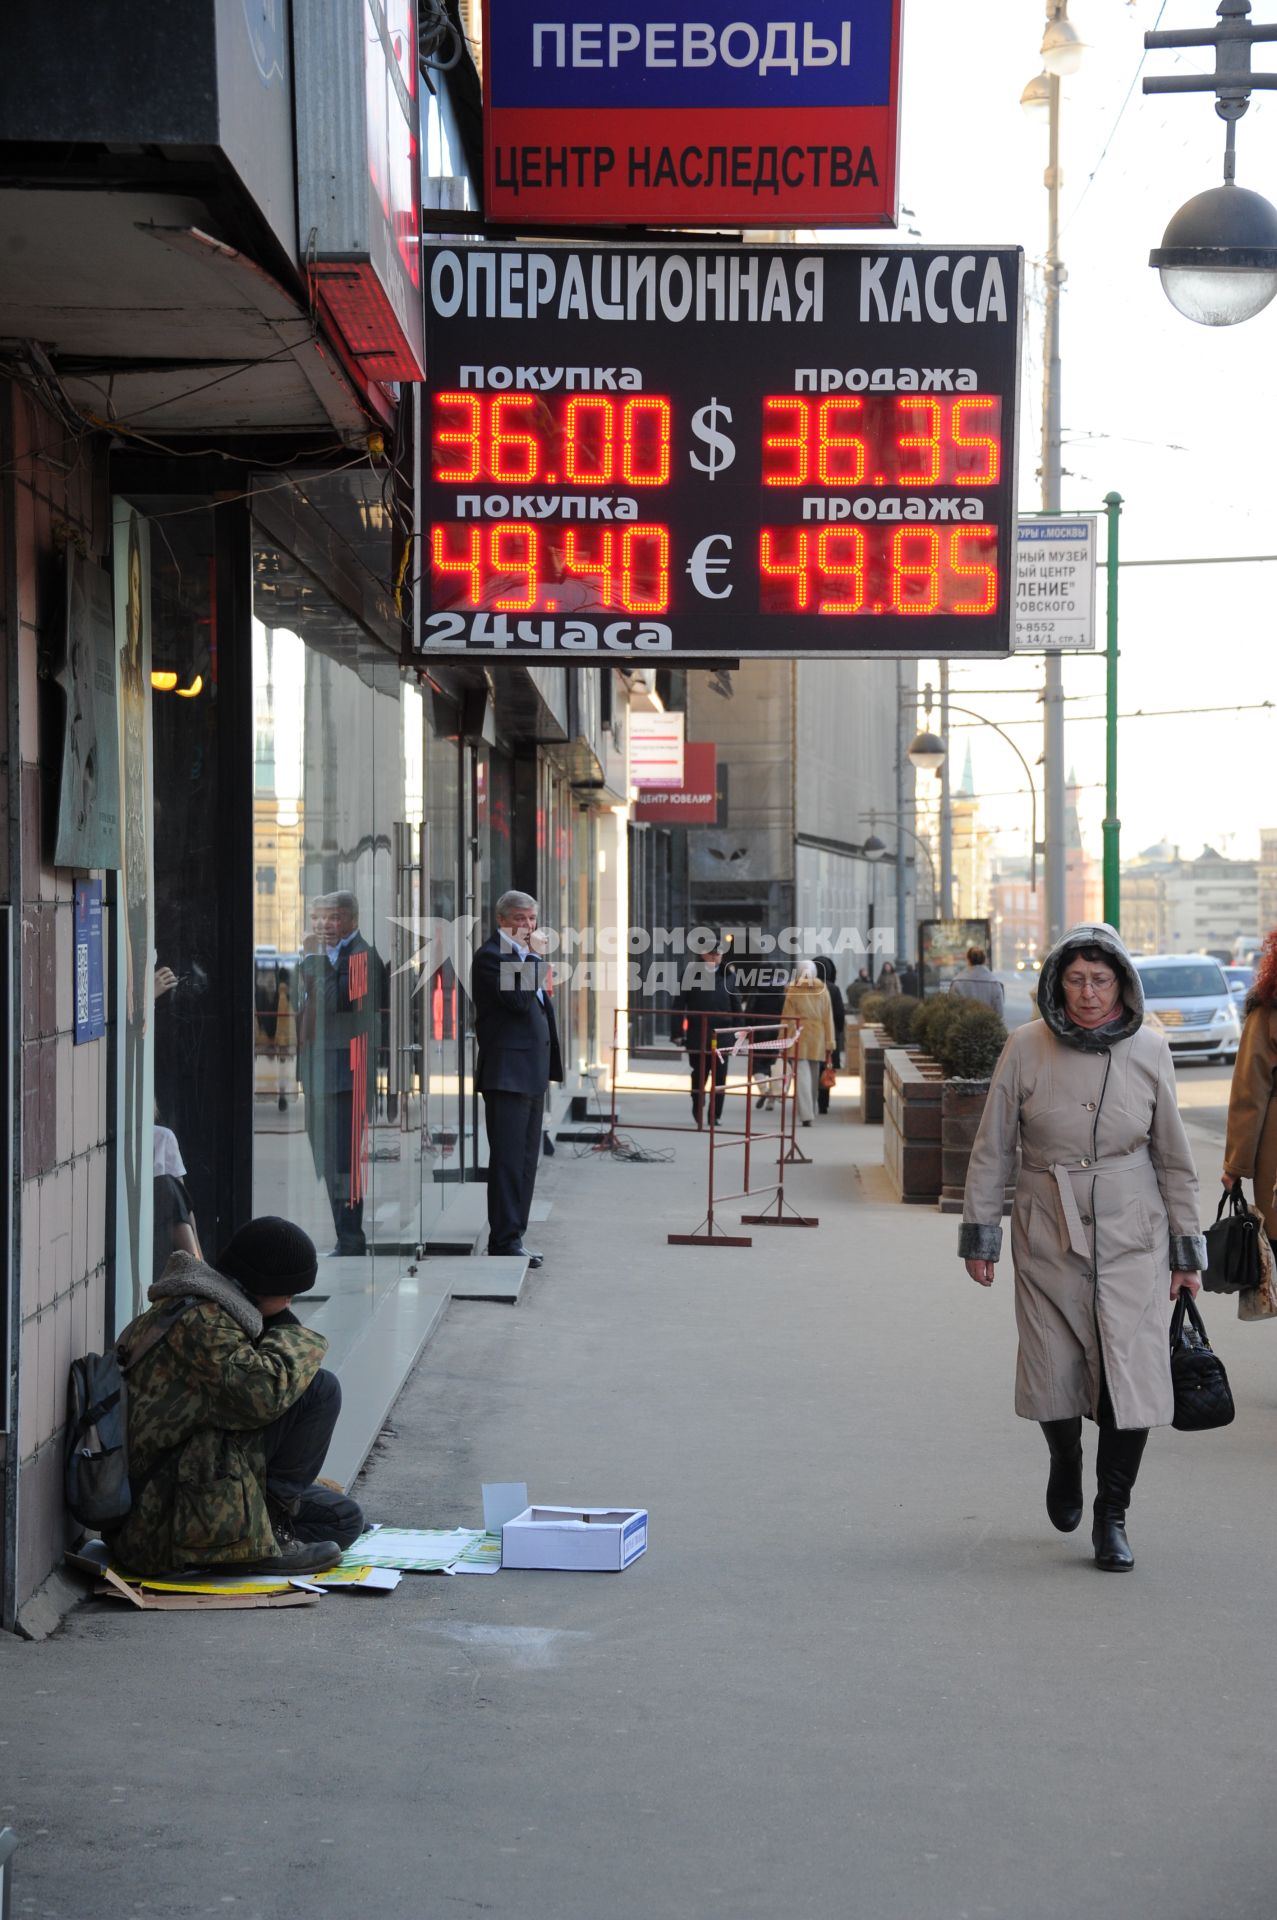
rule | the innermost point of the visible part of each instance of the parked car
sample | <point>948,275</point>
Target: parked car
<point>1240,981</point>
<point>1190,997</point>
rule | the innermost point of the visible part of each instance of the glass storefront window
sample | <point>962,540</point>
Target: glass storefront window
<point>337,841</point>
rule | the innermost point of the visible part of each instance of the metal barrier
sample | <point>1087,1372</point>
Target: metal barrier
<point>755,1041</point>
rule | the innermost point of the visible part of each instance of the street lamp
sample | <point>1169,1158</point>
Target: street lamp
<point>1062,44</point>
<point>874,849</point>
<point>1062,49</point>
<point>1218,257</point>
<point>929,750</point>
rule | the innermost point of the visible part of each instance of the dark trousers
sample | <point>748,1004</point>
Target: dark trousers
<point>348,1218</point>
<point>296,1445</point>
<point>823,1093</point>
<point>513,1122</point>
<point>702,1064</point>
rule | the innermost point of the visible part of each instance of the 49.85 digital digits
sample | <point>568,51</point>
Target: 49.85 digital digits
<point>871,570</point>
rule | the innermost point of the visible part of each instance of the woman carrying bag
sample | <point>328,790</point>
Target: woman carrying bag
<point>1250,1148</point>
<point>808,1006</point>
<point>1106,1210</point>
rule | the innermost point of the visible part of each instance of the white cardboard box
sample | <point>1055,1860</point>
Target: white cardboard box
<point>575,1539</point>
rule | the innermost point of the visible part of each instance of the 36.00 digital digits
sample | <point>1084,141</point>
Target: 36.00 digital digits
<point>594,440</point>
<point>868,570</point>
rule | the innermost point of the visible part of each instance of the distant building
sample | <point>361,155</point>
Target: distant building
<point>1267,879</point>
<point>972,850</point>
<point>1018,914</point>
<point>1209,904</point>
<point>1083,873</point>
<point>1212,905</point>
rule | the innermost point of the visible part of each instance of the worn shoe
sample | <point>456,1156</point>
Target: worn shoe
<point>293,1556</point>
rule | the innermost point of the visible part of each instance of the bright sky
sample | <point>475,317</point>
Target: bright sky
<point>1179,419</point>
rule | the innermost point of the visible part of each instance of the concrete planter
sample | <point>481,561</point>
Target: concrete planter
<point>911,1147</point>
<point>961,1110</point>
<point>851,1044</point>
<point>872,1054</point>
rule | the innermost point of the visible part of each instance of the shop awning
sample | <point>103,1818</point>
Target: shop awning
<point>155,327</point>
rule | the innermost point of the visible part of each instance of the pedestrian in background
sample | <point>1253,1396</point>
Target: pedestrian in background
<point>707,1005</point>
<point>888,979</point>
<point>808,1005</point>
<point>1250,1148</point>
<point>828,972</point>
<point>1106,1208</point>
<point>976,982</point>
<point>512,987</point>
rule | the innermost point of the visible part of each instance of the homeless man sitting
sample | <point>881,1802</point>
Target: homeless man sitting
<point>230,1416</point>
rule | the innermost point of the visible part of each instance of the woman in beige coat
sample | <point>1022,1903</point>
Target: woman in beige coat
<point>1106,1208</point>
<point>807,1003</point>
<point>1250,1150</point>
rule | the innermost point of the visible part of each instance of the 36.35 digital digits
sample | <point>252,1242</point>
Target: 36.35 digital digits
<point>882,440</point>
<point>875,570</point>
<point>591,440</point>
<point>520,566</point>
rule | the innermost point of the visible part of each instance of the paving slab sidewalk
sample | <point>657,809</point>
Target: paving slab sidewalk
<point>856,1673</point>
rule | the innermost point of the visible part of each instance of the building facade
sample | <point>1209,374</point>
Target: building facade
<point>209,416</point>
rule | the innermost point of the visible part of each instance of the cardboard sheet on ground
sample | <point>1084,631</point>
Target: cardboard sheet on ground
<point>179,1597</point>
<point>422,1549</point>
<point>222,1590</point>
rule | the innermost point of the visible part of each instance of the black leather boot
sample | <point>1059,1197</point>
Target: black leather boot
<point>1064,1485</point>
<point>1117,1463</point>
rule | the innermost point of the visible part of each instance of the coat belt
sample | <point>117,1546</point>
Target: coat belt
<point>1060,1170</point>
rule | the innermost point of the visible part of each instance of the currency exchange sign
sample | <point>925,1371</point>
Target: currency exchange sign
<point>596,114</point>
<point>720,451</point>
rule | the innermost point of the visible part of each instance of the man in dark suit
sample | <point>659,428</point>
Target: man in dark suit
<point>344,1005</point>
<point>707,1005</point>
<point>511,987</point>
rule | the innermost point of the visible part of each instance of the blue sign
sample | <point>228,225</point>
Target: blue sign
<point>90,990</point>
<point>596,115</point>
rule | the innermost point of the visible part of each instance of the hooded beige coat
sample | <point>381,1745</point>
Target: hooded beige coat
<point>1106,1202</point>
<point>807,1002</point>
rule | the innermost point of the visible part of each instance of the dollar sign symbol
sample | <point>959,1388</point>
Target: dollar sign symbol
<point>720,446</point>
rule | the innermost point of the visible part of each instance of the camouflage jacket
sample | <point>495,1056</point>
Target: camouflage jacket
<point>196,1404</point>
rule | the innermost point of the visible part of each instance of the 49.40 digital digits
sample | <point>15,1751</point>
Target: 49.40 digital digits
<point>519,566</point>
<point>910,571</point>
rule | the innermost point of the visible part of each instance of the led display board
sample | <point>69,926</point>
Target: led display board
<point>721,451</point>
<point>597,115</point>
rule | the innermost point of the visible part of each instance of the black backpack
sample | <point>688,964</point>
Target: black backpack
<point>96,1460</point>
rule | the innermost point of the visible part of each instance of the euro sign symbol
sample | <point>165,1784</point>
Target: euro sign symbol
<point>721,448</point>
<point>705,564</point>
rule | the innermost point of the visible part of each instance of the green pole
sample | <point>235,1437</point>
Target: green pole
<point>1112,825</point>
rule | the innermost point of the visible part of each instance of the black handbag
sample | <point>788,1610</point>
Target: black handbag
<point>1234,1262</point>
<point>1203,1397</point>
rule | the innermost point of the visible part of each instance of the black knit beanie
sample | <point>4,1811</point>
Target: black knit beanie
<point>269,1256</point>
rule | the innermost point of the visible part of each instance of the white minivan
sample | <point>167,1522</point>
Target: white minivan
<point>1191,998</point>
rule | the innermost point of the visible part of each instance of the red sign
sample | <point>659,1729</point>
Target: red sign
<point>725,117</point>
<point>695,803</point>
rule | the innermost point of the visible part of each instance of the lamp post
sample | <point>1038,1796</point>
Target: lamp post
<point>1061,55</point>
<point>1218,257</point>
<point>928,750</point>
<point>874,849</point>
